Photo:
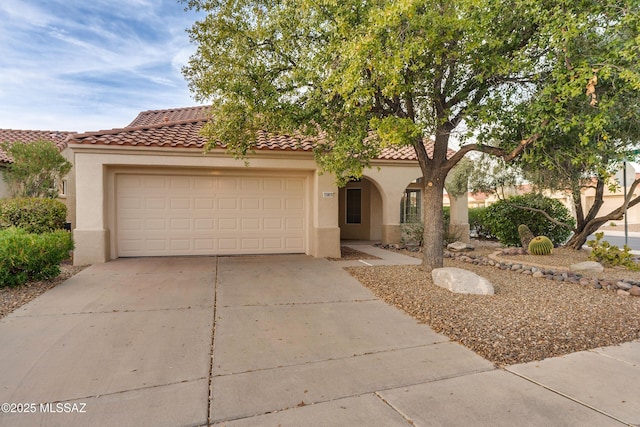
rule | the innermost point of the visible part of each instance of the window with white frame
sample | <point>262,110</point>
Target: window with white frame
<point>63,188</point>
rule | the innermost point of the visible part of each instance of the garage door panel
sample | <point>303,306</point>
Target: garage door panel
<point>209,215</point>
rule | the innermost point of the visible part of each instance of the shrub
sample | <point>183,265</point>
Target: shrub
<point>503,218</point>
<point>477,225</point>
<point>32,214</point>
<point>610,255</point>
<point>27,256</point>
<point>412,232</point>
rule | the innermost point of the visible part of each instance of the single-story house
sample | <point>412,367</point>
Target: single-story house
<point>150,190</point>
<point>67,186</point>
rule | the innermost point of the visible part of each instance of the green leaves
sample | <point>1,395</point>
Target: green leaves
<point>37,169</point>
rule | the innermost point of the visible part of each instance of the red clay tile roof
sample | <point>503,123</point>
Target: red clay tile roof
<point>156,117</point>
<point>181,127</point>
<point>26,136</point>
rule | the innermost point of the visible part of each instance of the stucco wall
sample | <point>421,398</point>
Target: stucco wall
<point>95,197</point>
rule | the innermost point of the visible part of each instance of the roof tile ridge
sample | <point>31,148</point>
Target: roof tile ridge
<point>115,131</point>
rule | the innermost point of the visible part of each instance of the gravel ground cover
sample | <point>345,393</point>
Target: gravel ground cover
<point>12,298</point>
<point>527,319</point>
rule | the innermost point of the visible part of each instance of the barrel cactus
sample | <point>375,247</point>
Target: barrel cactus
<point>540,245</point>
<point>526,236</point>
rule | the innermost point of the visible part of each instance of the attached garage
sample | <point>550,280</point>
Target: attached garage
<point>166,214</point>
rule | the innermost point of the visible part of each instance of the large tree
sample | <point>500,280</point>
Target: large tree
<point>362,75</point>
<point>596,133</point>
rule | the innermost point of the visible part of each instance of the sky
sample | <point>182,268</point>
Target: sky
<point>88,65</point>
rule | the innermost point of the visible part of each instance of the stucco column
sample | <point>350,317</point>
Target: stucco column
<point>91,237</point>
<point>326,230</point>
<point>459,225</point>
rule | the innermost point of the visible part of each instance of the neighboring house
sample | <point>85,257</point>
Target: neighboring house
<point>150,190</point>
<point>67,186</point>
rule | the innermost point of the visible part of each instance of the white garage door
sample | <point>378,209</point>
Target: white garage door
<point>209,215</point>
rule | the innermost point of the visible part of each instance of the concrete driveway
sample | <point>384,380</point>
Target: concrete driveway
<point>269,340</point>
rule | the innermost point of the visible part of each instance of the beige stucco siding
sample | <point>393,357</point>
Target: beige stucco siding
<point>96,193</point>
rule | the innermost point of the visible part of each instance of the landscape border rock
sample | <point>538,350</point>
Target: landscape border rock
<point>558,274</point>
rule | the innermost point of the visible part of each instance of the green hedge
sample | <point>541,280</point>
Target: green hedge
<point>27,256</point>
<point>504,217</point>
<point>477,224</point>
<point>32,214</point>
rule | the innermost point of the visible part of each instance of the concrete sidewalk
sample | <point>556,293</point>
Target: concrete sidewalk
<point>276,340</point>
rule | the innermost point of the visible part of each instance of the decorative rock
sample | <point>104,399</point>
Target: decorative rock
<point>624,286</point>
<point>460,247</point>
<point>527,272</point>
<point>537,274</point>
<point>597,286</point>
<point>590,266</point>
<point>635,291</point>
<point>623,293</point>
<point>461,281</point>
<point>585,282</point>
<point>515,267</point>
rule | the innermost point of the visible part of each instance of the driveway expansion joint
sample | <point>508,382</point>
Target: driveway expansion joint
<point>396,410</point>
<point>291,304</point>
<point>566,396</point>
<point>83,313</point>
<point>351,356</point>
<point>213,342</point>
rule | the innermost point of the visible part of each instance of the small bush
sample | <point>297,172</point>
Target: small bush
<point>32,214</point>
<point>610,255</point>
<point>503,219</point>
<point>412,232</point>
<point>27,256</point>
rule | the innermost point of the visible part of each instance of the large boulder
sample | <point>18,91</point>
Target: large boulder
<point>461,281</point>
<point>587,266</point>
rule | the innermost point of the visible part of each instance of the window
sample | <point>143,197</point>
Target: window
<point>354,205</point>
<point>410,205</point>
<point>62,188</point>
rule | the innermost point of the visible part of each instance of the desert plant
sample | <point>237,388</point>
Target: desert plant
<point>540,245</point>
<point>526,236</point>
<point>611,255</point>
<point>503,218</point>
<point>412,232</point>
<point>33,215</point>
<point>27,256</point>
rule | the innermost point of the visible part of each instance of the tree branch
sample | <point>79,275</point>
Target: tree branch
<point>543,213</point>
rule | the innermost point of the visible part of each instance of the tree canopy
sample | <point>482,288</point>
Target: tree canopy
<point>369,74</point>
<point>36,170</point>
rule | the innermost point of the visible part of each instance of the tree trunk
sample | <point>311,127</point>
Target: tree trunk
<point>579,238</point>
<point>432,251</point>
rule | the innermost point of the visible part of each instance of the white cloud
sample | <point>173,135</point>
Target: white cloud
<point>76,65</point>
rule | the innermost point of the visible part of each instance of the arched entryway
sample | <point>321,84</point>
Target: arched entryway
<point>360,215</point>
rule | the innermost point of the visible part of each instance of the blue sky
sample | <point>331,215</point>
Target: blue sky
<point>84,65</point>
